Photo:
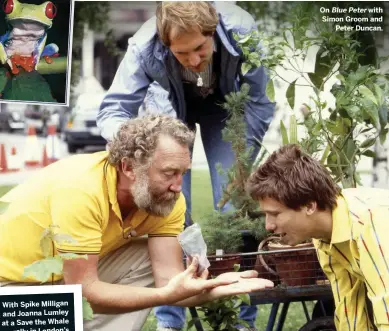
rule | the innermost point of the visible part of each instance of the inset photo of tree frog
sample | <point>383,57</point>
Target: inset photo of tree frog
<point>34,48</point>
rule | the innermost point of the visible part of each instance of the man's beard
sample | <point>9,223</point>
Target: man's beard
<point>154,203</point>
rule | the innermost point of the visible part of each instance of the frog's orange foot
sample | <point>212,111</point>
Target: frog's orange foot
<point>15,70</point>
<point>48,59</point>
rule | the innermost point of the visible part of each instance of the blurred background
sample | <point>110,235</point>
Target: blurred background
<point>100,38</point>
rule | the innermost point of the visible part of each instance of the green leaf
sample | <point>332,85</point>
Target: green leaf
<point>333,115</point>
<point>379,94</point>
<point>270,93</point>
<point>253,56</point>
<point>371,110</point>
<point>43,269</point>
<point>383,134</point>
<point>368,143</point>
<point>46,242</point>
<point>284,134</point>
<point>245,298</point>
<point>349,151</point>
<point>322,68</point>
<point>338,127</point>
<point>244,38</point>
<point>72,256</point>
<point>237,303</point>
<point>383,115</point>
<point>317,128</point>
<point>369,153</point>
<point>87,311</point>
<point>353,111</point>
<point>236,267</point>
<point>290,93</point>
<point>64,238</point>
<point>256,63</point>
<point>367,93</point>
<point>293,130</point>
<point>246,68</point>
<point>192,322</point>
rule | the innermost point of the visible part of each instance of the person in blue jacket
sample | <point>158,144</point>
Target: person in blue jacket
<point>188,51</point>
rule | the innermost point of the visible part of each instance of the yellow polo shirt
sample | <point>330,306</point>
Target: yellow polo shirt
<point>358,256</point>
<point>77,196</point>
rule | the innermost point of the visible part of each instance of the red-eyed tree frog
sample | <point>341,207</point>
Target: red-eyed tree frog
<point>23,45</point>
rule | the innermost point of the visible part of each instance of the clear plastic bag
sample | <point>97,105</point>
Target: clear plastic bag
<point>193,244</point>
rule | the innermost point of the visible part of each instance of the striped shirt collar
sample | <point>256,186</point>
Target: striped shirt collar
<point>341,223</point>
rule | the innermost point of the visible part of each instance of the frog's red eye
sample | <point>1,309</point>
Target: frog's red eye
<point>8,6</point>
<point>51,10</point>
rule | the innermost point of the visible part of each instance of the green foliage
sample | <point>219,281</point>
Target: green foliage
<point>223,314</point>
<point>292,137</point>
<point>30,86</point>
<point>51,264</point>
<point>235,133</point>
<point>3,78</point>
<point>87,311</point>
<point>340,136</point>
<point>223,230</point>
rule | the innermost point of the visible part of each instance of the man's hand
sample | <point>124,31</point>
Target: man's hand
<point>187,284</point>
<point>241,286</point>
<point>234,276</point>
<point>242,282</point>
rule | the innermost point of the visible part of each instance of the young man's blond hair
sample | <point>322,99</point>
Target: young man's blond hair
<point>177,17</point>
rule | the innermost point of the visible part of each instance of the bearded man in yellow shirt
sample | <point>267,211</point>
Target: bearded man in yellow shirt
<point>349,228</point>
<point>107,202</point>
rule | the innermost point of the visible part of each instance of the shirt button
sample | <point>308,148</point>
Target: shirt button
<point>131,234</point>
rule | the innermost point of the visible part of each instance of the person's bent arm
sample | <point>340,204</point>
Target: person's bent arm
<point>116,298</point>
<point>125,95</point>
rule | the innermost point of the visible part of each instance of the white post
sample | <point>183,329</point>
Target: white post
<point>87,52</point>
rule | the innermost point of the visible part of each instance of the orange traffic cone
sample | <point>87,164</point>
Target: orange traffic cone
<point>52,145</point>
<point>3,159</point>
<point>32,148</point>
<point>15,163</point>
<point>45,158</point>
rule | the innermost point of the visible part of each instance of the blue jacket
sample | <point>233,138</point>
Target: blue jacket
<point>145,63</point>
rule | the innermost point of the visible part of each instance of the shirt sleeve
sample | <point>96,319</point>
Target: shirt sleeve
<point>373,246</point>
<point>77,214</point>
<point>125,95</point>
<point>349,295</point>
<point>173,224</point>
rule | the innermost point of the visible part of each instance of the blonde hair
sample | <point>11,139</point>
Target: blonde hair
<point>137,138</point>
<point>183,16</point>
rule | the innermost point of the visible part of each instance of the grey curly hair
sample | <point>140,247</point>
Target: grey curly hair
<point>137,138</point>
